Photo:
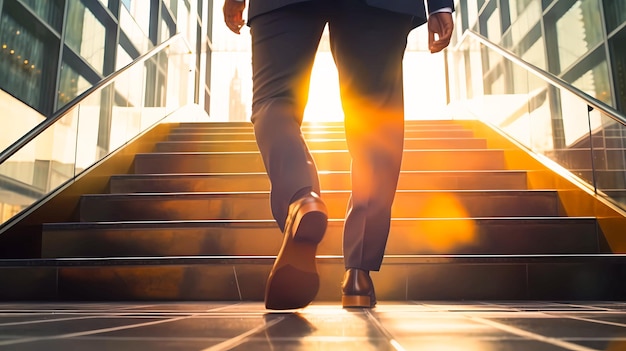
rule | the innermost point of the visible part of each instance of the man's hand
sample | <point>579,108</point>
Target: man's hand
<point>233,15</point>
<point>439,23</point>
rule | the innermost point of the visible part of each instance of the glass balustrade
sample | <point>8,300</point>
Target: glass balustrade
<point>545,118</point>
<point>105,120</point>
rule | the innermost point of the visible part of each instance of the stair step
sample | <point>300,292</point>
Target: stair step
<point>306,128</point>
<point>407,204</point>
<point>338,135</point>
<point>238,162</point>
<point>407,236</point>
<point>236,278</point>
<point>314,144</point>
<point>466,180</point>
<point>329,124</point>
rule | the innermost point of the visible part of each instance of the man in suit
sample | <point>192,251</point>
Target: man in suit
<point>368,40</point>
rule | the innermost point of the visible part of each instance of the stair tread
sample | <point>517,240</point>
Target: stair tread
<point>529,192</point>
<point>332,259</point>
<point>209,174</point>
<point>271,223</point>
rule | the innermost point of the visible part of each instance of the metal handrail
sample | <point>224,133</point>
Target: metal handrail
<point>45,124</point>
<point>548,77</point>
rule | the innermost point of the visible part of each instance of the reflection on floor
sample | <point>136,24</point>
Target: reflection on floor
<point>441,326</point>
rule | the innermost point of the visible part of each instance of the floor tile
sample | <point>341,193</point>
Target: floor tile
<point>243,326</point>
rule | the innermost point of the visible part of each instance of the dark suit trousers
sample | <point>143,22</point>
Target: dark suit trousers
<point>368,46</point>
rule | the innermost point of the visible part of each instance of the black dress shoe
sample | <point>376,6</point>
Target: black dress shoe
<point>357,289</point>
<point>293,281</point>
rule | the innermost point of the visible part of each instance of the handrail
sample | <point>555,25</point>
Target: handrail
<point>45,124</point>
<point>548,77</point>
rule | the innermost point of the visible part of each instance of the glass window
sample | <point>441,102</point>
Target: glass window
<point>518,8</point>
<point>123,58</point>
<point>578,31</point>
<point>133,31</point>
<point>523,19</point>
<point>140,11</point>
<point>50,11</point>
<point>536,54</point>
<point>595,82</point>
<point>615,12</point>
<point>71,85</point>
<point>23,70</point>
<point>85,35</point>
<point>617,46</point>
<point>493,26</point>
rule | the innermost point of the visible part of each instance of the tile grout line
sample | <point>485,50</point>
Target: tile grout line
<point>589,308</point>
<point>529,335</point>
<point>392,341</point>
<point>239,339</point>
<point>104,330</point>
<point>595,321</point>
<point>89,332</point>
<point>237,283</point>
<point>50,320</point>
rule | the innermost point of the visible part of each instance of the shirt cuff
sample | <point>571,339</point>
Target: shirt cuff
<point>443,9</point>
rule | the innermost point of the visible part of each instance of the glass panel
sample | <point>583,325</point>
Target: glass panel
<point>39,167</point>
<point>85,34</point>
<point>609,156</point>
<point>134,31</point>
<point>573,143</point>
<point>548,120</point>
<point>615,13</point>
<point>536,54</point>
<point>71,85</point>
<point>123,58</point>
<point>50,11</point>
<point>494,28</point>
<point>23,70</point>
<point>139,10</point>
<point>595,82</point>
<point>578,31</point>
<point>11,109</point>
<point>104,121</point>
<point>524,16</point>
<point>617,45</point>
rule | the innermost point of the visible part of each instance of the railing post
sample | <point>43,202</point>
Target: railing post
<point>593,164</point>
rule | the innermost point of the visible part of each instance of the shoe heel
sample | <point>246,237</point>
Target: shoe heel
<point>356,301</point>
<point>311,225</point>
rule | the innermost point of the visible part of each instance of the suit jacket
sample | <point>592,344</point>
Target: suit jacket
<point>415,8</point>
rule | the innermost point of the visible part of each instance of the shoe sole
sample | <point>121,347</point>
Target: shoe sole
<point>294,281</point>
<point>356,301</point>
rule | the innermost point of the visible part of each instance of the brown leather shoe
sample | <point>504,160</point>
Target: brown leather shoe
<point>293,281</point>
<point>357,289</point>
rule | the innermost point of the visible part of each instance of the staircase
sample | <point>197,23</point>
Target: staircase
<point>193,223</point>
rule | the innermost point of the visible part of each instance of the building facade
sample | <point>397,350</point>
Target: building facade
<point>582,42</point>
<point>51,51</point>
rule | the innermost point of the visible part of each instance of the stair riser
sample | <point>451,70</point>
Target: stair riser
<point>325,161</point>
<point>394,282</point>
<point>222,128</point>
<point>230,146</point>
<point>315,135</point>
<point>328,181</point>
<point>256,206</point>
<point>482,236</point>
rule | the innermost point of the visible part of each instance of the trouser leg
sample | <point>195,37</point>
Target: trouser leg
<point>284,43</point>
<point>368,46</point>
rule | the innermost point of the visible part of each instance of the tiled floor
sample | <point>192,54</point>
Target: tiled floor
<point>441,326</point>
